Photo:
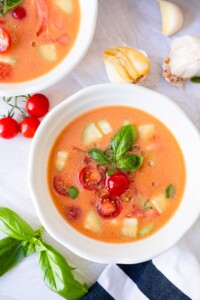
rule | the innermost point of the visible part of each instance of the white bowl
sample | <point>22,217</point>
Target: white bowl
<point>107,95</point>
<point>84,38</point>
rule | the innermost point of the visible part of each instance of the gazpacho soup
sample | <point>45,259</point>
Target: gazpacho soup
<point>35,36</point>
<point>116,174</point>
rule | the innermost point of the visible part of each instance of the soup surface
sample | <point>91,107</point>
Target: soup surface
<point>40,40</point>
<point>116,174</point>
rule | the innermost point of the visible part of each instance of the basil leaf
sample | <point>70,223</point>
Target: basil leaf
<point>98,156</point>
<point>11,253</point>
<point>130,162</point>
<point>58,274</point>
<point>28,248</point>
<point>13,225</point>
<point>73,192</point>
<point>110,172</point>
<point>7,5</point>
<point>195,79</point>
<point>170,191</point>
<point>122,141</point>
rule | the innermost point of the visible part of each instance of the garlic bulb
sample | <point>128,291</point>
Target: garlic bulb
<point>183,61</point>
<point>125,64</point>
<point>172,17</point>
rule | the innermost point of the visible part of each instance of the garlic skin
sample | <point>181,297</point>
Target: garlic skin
<point>172,17</point>
<point>183,61</point>
<point>124,64</point>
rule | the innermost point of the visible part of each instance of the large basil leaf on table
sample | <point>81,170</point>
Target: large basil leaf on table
<point>58,274</point>
<point>11,253</point>
<point>14,226</point>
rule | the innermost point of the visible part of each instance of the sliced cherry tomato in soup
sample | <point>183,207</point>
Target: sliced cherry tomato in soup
<point>149,214</point>
<point>73,212</point>
<point>109,207</point>
<point>117,183</point>
<point>60,186</point>
<point>5,71</point>
<point>5,40</point>
<point>90,178</point>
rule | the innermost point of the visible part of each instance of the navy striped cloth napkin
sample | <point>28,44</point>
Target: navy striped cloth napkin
<point>174,275</point>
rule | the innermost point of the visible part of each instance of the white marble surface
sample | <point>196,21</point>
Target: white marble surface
<point>132,22</point>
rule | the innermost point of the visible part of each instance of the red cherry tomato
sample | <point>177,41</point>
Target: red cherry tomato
<point>5,71</point>
<point>60,186</point>
<point>73,212</point>
<point>37,105</point>
<point>9,128</point>
<point>5,40</point>
<point>91,179</point>
<point>109,207</point>
<point>150,214</point>
<point>29,126</point>
<point>117,184</point>
<point>19,13</point>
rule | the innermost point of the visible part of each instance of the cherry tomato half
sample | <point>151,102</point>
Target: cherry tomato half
<point>60,186</point>
<point>37,105</point>
<point>73,212</point>
<point>91,179</point>
<point>117,183</point>
<point>28,127</point>
<point>5,70</point>
<point>109,207</point>
<point>5,40</point>
<point>19,13</point>
<point>9,128</point>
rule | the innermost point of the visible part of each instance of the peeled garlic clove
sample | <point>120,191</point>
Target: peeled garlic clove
<point>172,17</point>
<point>183,61</point>
<point>124,64</point>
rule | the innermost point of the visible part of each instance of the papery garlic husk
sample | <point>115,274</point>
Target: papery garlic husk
<point>124,64</point>
<point>183,61</point>
<point>172,17</point>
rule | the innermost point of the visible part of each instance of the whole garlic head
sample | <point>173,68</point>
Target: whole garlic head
<point>124,64</point>
<point>183,61</point>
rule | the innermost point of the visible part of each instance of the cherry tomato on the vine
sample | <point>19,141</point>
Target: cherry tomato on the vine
<point>29,126</point>
<point>9,128</point>
<point>117,183</point>
<point>37,105</point>
<point>5,40</point>
<point>109,207</point>
<point>19,13</point>
<point>90,178</point>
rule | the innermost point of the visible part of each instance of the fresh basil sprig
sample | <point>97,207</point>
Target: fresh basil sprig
<point>117,156</point>
<point>22,242</point>
<point>8,5</point>
<point>195,79</point>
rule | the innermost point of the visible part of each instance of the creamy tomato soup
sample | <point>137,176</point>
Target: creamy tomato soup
<point>39,35</point>
<point>116,174</point>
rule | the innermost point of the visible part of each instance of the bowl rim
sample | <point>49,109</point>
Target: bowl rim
<point>102,252</point>
<point>79,49</point>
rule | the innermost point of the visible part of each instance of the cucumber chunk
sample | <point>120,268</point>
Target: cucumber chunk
<point>60,162</point>
<point>8,59</point>
<point>146,229</point>
<point>91,134</point>
<point>104,126</point>
<point>159,203</point>
<point>65,5</point>
<point>93,222</point>
<point>146,131</point>
<point>48,52</point>
<point>129,227</point>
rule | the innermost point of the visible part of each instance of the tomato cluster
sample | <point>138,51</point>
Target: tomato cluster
<point>36,106</point>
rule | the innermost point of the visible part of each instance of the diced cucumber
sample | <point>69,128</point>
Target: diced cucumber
<point>146,131</point>
<point>159,203</point>
<point>66,5</point>
<point>91,134</point>
<point>61,158</point>
<point>129,227</point>
<point>8,59</point>
<point>93,222</point>
<point>104,126</point>
<point>146,229</point>
<point>48,52</point>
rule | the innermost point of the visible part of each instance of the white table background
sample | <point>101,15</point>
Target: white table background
<point>131,22</point>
